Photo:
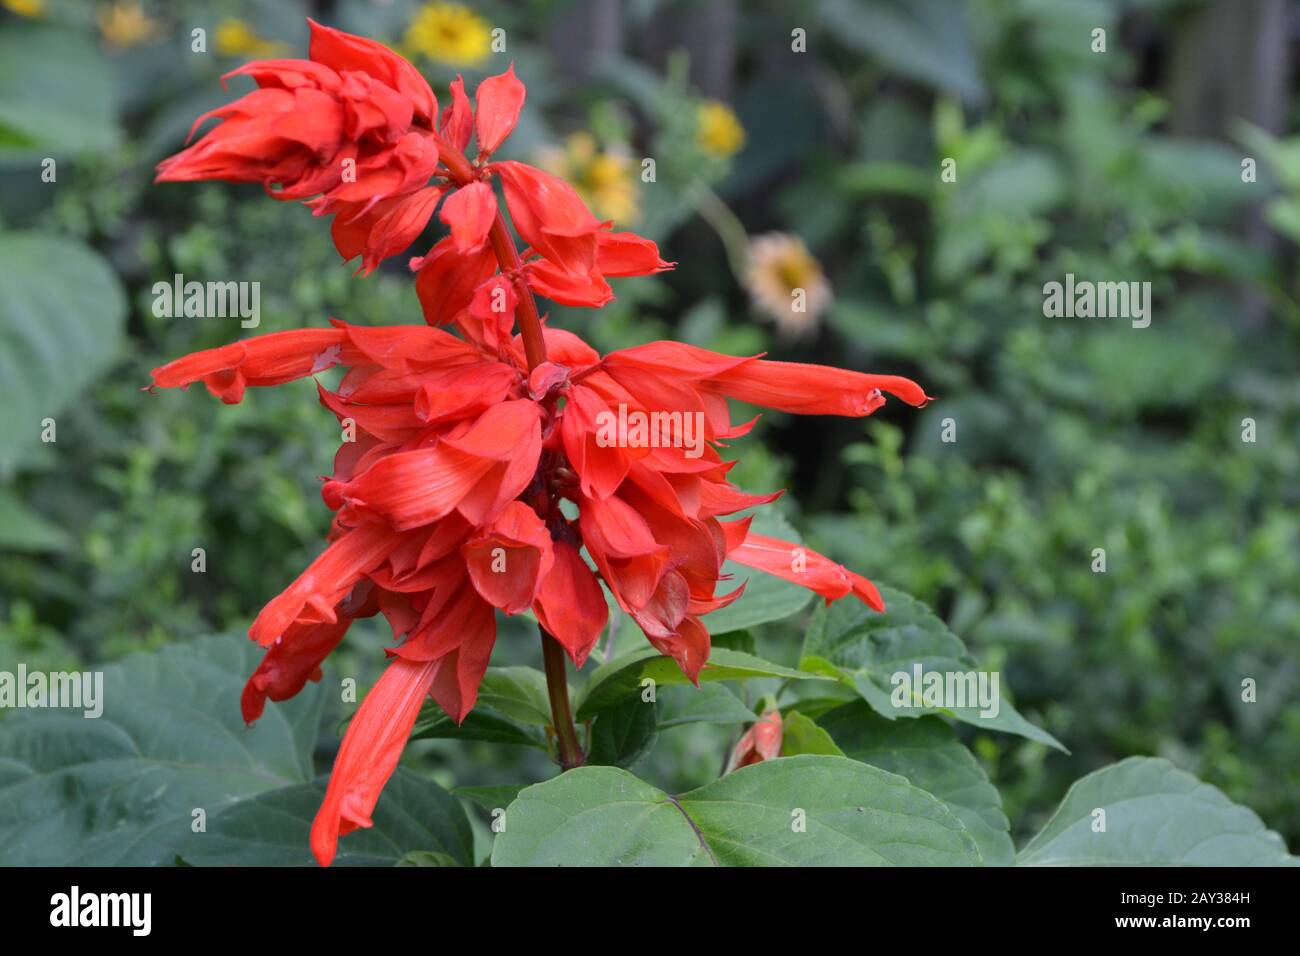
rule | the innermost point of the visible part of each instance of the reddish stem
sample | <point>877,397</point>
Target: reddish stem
<point>462,172</point>
<point>557,688</point>
<point>530,323</point>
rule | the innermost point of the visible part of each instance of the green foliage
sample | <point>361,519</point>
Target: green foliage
<point>855,815</point>
<point>1155,815</point>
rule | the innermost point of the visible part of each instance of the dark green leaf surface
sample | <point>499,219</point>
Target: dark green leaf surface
<point>851,814</point>
<point>1155,815</point>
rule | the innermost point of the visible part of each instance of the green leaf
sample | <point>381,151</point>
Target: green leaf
<point>119,790</point>
<point>595,816</point>
<point>61,316</point>
<point>925,40</point>
<point>481,724</point>
<point>517,692</point>
<point>426,858</point>
<point>22,529</point>
<point>852,814</point>
<point>870,648</point>
<point>274,828</point>
<point>1155,815</point>
<point>56,94</point>
<point>800,735</point>
<point>927,752</point>
<point>624,734</point>
<point>613,683</point>
<point>493,797</point>
<point>708,703</point>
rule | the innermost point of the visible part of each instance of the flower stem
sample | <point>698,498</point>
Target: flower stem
<point>503,244</point>
<point>530,330</point>
<point>557,689</point>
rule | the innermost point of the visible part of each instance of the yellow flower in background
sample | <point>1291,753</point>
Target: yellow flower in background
<point>126,24</point>
<point>718,131</point>
<point>605,179</point>
<point>450,33</point>
<point>24,8</point>
<point>234,37</point>
<point>787,282</point>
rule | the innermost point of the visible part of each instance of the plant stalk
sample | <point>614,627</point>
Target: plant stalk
<point>530,330</point>
<point>557,688</point>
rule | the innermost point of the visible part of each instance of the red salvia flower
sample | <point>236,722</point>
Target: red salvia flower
<point>762,741</point>
<point>447,504</point>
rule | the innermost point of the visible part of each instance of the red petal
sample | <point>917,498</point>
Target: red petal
<point>290,663</point>
<point>570,604</point>
<point>550,216</point>
<point>806,568</point>
<point>498,102</point>
<point>627,254</point>
<point>689,647</point>
<point>265,360</point>
<point>508,558</point>
<point>458,119</point>
<point>343,51</point>
<point>315,592</point>
<point>813,389</point>
<point>470,212</point>
<point>448,278</point>
<point>558,285</point>
<point>371,748</point>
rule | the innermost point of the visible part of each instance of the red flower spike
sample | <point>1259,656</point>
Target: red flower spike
<point>462,447</point>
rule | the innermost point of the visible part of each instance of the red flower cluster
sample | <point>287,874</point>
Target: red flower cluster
<point>447,506</point>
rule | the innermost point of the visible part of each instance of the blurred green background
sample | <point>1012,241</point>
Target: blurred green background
<point>795,144</point>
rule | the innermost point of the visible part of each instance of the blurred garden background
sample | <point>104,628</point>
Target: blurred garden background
<point>794,145</point>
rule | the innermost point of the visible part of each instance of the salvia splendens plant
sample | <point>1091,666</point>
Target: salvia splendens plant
<point>447,506</point>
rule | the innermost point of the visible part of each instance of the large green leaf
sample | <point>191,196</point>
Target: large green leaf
<point>120,789</point>
<point>800,734</point>
<point>871,648</point>
<point>481,724</point>
<point>61,314</point>
<point>414,815</point>
<point>1155,815</point>
<point>517,692</point>
<point>708,703</point>
<point>22,529</point>
<point>926,40</point>
<point>56,94</point>
<point>806,810</point>
<point>622,735</point>
<point>927,752</point>
<point>613,683</point>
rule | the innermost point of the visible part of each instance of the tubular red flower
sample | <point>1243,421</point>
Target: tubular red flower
<point>570,605</point>
<point>470,212</point>
<point>550,216</point>
<point>508,558</point>
<point>762,741</point>
<point>371,747</point>
<point>499,101</point>
<point>807,568</point>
